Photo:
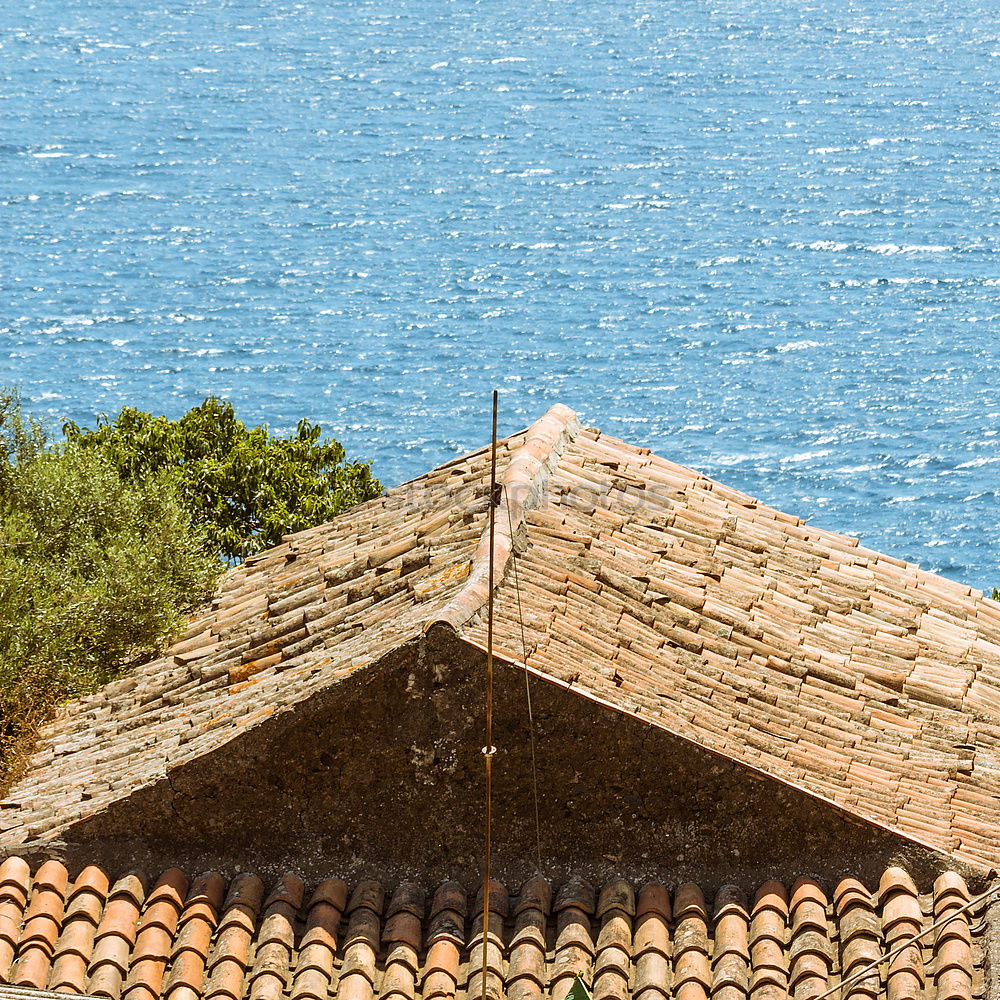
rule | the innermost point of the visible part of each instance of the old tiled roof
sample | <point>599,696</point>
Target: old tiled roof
<point>853,676</point>
<point>137,938</point>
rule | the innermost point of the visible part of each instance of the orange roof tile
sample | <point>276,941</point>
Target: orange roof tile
<point>622,939</point>
<point>643,586</point>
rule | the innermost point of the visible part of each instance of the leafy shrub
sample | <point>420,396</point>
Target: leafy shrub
<point>93,572</point>
<point>244,486</point>
<point>107,538</point>
<point>22,438</point>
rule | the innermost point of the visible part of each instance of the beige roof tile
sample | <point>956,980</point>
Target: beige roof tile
<point>852,676</point>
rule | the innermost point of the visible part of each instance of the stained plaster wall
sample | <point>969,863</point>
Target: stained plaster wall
<point>382,775</point>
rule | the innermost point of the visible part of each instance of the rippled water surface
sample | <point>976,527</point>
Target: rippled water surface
<point>760,238</point>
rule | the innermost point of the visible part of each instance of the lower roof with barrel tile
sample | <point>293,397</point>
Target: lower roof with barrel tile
<point>184,937</point>
<point>851,675</point>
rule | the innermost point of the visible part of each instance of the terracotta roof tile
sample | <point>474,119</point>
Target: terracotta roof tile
<point>230,958</point>
<point>651,945</point>
<point>768,948</point>
<point>314,968</point>
<point>116,936</point>
<point>526,969</point>
<point>404,916</point>
<point>953,965</point>
<point>492,928</point>
<point>41,926</point>
<point>269,977</point>
<point>15,886</point>
<point>731,952</point>
<point>445,936</point>
<point>792,650</point>
<point>574,944</point>
<point>402,936</point>
<point>613,958</point>
<point>692,969</point>
<point>810,950</point>
<point>361,942</point>
<point>290,943</point>
<point>154,936</point>
<point>191,946</point>
<point>688,900</point>
<point>76,942</point>
<point>860,936</point>
<point>441,969</point>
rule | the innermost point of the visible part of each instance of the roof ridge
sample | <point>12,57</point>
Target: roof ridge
<point>524,482</point>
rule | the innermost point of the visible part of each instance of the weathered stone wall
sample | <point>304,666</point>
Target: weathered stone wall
<point>382,775</point>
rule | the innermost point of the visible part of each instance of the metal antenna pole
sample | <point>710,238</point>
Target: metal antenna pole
<point>489,750</point>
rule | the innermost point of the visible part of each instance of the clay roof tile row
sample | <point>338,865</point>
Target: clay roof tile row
<point>850,675</point>
<point>190,938</point>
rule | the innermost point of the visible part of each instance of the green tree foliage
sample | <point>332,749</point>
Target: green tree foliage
<point>22,438</point>
<point>94,572</point>
<point>244,486</point>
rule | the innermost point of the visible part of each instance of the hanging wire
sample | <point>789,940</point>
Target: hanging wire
<point>527,693</point>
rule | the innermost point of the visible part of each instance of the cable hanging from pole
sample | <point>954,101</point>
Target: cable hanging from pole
<point>527,693</point>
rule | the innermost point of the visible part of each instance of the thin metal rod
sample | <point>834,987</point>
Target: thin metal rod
<point>940,922</point>
<point>489,749</point>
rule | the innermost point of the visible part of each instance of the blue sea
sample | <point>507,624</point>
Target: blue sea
<point>760,238</point>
